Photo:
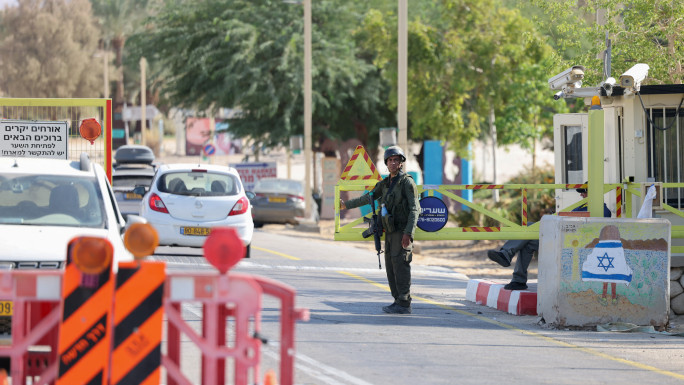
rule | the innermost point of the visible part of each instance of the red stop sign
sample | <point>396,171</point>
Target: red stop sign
<point>223,248</point>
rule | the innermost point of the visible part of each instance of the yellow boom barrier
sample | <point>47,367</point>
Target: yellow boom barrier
<point>352,230</point>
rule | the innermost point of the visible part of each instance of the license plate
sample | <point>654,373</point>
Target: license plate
<point>133,196</point>
<point>277,199</point>
<point>202,231</point>
<point>6,308</point>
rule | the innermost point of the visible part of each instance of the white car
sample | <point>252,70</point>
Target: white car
<point>186,201</point>
<point>44,203</point>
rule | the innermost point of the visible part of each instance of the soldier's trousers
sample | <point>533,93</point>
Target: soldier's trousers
<point>398,267</point>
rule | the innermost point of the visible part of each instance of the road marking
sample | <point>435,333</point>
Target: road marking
<point>511,327</point>
<point>320,371</point>
<point>277,253</point>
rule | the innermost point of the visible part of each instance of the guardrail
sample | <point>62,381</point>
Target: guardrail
<point>506,230</point>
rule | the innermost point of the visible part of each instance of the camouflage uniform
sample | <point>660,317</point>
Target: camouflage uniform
<point>400,197</point>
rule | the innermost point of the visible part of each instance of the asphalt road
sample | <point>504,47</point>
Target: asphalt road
<point>447,340</point>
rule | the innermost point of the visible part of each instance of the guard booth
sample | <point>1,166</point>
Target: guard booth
<point>643,145</point>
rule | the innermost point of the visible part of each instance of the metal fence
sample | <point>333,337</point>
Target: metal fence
<point>72,111</point>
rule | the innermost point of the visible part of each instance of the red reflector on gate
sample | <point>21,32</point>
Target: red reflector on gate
<point>223,248</point>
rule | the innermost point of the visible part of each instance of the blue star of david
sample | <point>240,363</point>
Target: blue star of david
<point>602,261</point>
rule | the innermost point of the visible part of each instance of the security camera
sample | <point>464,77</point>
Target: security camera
<point>608,85</point>
<point>570,78</point>
<point>634,76</point>
<point>558,95</point>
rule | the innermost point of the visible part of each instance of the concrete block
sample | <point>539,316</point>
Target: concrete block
<point>599,270</point>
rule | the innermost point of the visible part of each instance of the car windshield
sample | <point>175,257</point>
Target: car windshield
<point>199,183</point>
<point>50,200</point>
<point>278,186</point>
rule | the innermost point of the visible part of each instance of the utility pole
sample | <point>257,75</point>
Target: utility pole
<point>402,67</point>
<point>307,107</point>
<point>143,101</point>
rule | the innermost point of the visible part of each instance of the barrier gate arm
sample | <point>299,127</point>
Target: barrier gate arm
<point>507,230</point>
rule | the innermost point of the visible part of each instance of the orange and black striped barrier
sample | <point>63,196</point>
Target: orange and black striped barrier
<point>84,331</point>
<point>138,316</point>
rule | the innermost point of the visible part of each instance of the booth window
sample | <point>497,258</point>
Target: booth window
<point>665,152</point>
<point>573,170</point>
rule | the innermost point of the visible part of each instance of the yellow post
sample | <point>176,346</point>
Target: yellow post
<point>596,121</point>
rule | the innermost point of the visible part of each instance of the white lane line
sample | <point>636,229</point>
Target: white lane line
<point>323,373</point>
<point>427,270</point>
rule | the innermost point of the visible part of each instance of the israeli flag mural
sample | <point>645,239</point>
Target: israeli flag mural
<point>606,262</point>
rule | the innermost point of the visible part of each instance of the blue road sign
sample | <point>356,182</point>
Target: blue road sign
<point>209,150</point>
<point>433,214</point>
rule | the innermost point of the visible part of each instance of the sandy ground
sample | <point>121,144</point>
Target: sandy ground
<point>466,257</point>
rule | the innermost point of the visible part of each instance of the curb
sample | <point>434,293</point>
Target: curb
<point>492,294</point>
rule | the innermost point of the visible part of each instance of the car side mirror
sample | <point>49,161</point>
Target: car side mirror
<point>250,195</point>
<point>140,190</point>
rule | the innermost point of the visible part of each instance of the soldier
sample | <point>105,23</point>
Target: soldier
<point>399,208</point>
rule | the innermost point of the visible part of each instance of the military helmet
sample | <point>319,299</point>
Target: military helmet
<point>394,150</point>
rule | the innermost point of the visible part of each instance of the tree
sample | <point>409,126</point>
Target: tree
<point>47,50</point>
<point>248,55</point>
<point>118,19</point>
<point>466,67</point>
<point>641,31</point>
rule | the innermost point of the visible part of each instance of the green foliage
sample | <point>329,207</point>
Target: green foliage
<point>641,31</point>
<point>470,59</point>
<point>118,19</point>
<point>539,201</point>
<point>248,54</point>
<point>47,50</point>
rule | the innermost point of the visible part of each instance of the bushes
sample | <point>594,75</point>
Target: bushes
<point>539,202</point>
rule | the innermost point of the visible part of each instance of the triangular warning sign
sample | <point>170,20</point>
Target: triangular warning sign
<point>360,169</point>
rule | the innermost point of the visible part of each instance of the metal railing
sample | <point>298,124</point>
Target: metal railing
<point>506,230</point>
<point>677,231</point>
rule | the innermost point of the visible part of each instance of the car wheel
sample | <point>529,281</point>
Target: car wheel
<point>248,250</point>
<point>258,225</point>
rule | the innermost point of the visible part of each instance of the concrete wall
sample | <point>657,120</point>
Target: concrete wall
<point>599,270</point>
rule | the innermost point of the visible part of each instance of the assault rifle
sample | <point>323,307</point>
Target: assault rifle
<point>374,229</point>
